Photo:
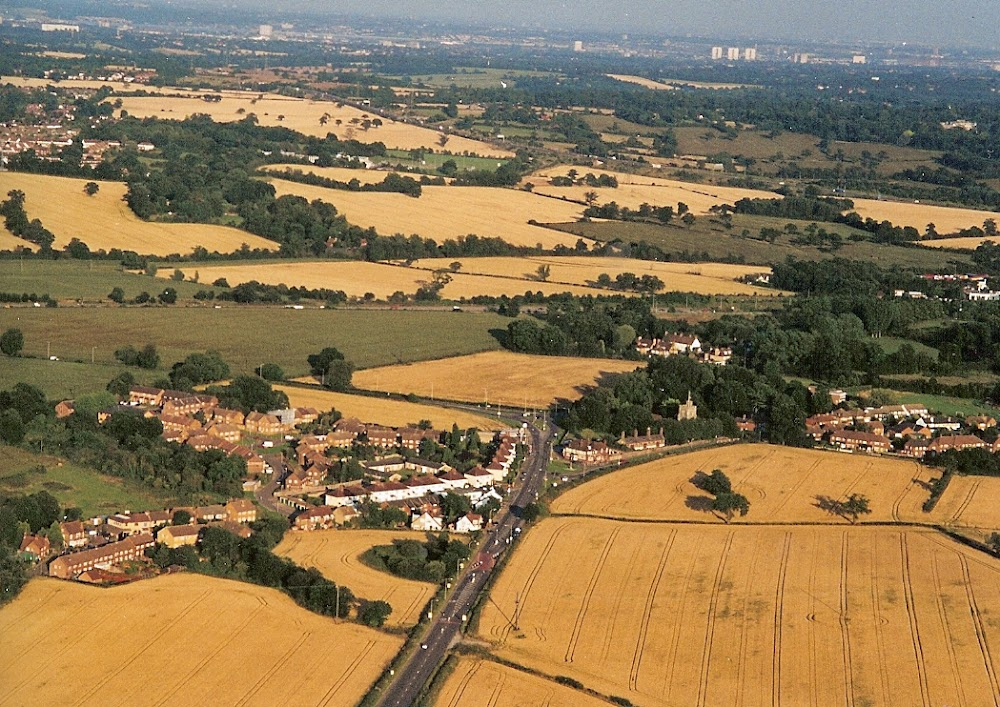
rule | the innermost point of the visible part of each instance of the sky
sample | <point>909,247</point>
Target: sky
<point>946,22</point>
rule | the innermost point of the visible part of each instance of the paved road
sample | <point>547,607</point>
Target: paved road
<point>447,625</point>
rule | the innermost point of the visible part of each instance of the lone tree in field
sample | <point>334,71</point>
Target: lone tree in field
<point>11,342</point>
<point>855,505</point>
<point>716,483</point>
<point>543,272</point>
<point>729,504</point>
<point>91,188</point>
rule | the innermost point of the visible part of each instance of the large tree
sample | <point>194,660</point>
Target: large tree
<point>729,504</point>
<point>12,341</point>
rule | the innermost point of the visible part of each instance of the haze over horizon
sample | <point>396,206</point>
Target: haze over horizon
<point>956,23</point>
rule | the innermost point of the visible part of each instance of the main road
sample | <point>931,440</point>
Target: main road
<point>447,624</point>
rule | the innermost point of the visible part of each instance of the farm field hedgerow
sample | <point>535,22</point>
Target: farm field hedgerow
<point>475,682</point>
<point>90,280</point>
<point>336,554</point>
<point>248,336</point>
<point>496,377</point>
<point>385,411</point>
<point>781,483</point>
<point>104,221</point>
<point>449,212</point>
<point>706,615</point>
<point>181,639</point>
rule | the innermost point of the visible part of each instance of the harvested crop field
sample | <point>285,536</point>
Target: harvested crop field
<point>701,278</point>
<point>476,682</point>
<point>641,81</point>
<point>700,615</point>
<point>496,377</point>
<point>385,411</point>
<point>782,484</point>
<point>181,639</point>
<point>946,219</point>
<point>336,554</point>
<point>450,212</point>
<point>104,221</point>
<point>357,278</point>
<point>303,116</point>
<point>634,190</point>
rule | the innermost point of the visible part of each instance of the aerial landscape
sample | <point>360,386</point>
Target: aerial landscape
<point>464,355</point>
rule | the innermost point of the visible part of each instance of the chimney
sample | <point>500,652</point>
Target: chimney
<point>649,431</point>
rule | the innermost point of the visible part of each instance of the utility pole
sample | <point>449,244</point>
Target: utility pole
<point>337,614</point>
<point>517,611</point>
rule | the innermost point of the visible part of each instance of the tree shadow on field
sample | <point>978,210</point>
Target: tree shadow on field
<point>830,505</point>
<point>500,335</point>
<point>700,480</point>
<point>702,504</point>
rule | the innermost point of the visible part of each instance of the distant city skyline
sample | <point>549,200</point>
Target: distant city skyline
<point>955,23</point>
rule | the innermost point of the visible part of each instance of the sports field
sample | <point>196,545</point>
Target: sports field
<point>682,615</point>
<point>249,336</point>
<point>476,682</point>
<point>782,484</point>
<point>358,278</point>
<point>181,639</point>
<point>385,411</point>
<point>104,221</point>
<point>445,213</point>
<point>496,377</point>
<point>306,117</point>
<point>336,554</point>
<point>701,278</point>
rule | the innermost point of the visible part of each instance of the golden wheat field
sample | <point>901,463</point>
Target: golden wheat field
<point>384,411</point>
<point>104,221</point>
<point>970,504</point>
<point>496,377</point>
<point>336,554</point>
<point>304,116</point>
<point>946,219</point>
<point>358,278</point>
<point>641,81</point>
<point>28,82</point>
<point>782,484</point>
<point>476,682</point>
<point>8,241</point>
<point>967,243</point>
<point>701,278</point>
<point>664,614</point>
<point>634,190</point>
<point>450,212</point>
<point>180,639</point>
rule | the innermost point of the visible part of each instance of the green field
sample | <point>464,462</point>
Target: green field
<point>891,344</point>
<point>944,405</point>
<point>472,78</point>
<point>92,492</point>
<point>89,280</point>
<point>708,236</point>
<point>433,160</point>
<point>64,379</point>
<point>248,336</point>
